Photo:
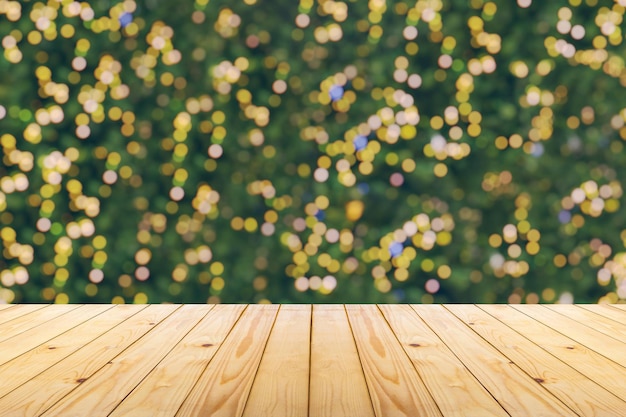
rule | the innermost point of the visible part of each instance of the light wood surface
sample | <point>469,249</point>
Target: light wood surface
<point>580,394</point>
<point>336,379</point>
<point>395,388</point>
<point>312,360</point>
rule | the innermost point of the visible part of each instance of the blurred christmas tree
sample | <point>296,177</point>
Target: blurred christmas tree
<point>328,151</point>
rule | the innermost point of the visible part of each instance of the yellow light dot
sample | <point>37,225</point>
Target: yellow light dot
<point>299,258</point>
<point>444,272</point>
<point>218,117</point>
<point>67,31</point>
<point>523,227</point>
<point>140,298</point>
<point>495,240</point>
<point>436,122</point>
<point>548,294</point>
<point>118,300</point>
<point>532,248</point>
<point>250,224</point>
<point>354,210</point>
<point>427,265</point>
<point>408,165</point>
<point>473,130</point>
<point>440,170</point>
<point>444,238</point>
<point>322,202</point>
<point>560,260</point>
<point>62,298</point>
<point>533,235</point>
<point>218,283</point>
<point>34,37</point>
<point>99,242</point>
<point>401,274</point>
<point>217,268</point>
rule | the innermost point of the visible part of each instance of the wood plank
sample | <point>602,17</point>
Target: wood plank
<point>586,361</point>
<point>453,387</point>
<point>606,311</point>
<point>394,385</point>
<point>579,393</point>
<point>25,366</point>
<point>163,391</point>
<point>30,339</point>
<point>18,310</point>
<point>281,386</point>
<point>517,392</point>
<point>591,338</point>
<point>34,318</point>
<point>103,391</point>
<point>43,391</point>
<point>594,321</point>
<point>337,383</point>
<point>620,306</point>
<point>5,306</point>
<point>224,386</point>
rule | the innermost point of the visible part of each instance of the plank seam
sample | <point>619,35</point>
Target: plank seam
<point>211,360</point>
<point>409,358</point>
<point>457,356</point>
<point>38,323</point>
<point>162,358</point>
<point>41,307</point>
<point>98,370</point>
<point>598,312</point>
<point>556,310</point>
<point>256,371</point>
<point>571,338</point>
<point>356,347</point>
<point>522,369</point>
<point>550,353</point>
<point>70,353</point>
<point>308,397</point>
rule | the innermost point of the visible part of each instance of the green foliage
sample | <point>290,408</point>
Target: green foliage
<point>255,151</point>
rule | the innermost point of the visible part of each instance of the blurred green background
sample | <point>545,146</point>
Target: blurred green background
<point>312,151</point>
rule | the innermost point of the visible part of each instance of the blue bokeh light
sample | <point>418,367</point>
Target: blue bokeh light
<point>125,19</point>
<point>360,142</point>
<point>363,188</point>
<point>395,249</point>
<point>335,92</point>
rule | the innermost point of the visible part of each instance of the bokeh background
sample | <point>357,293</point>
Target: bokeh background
<point>312,151</point>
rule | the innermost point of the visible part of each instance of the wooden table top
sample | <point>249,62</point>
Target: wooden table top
<point>319,360</point>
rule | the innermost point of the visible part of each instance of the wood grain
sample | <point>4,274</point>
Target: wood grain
<point>582,395</point>
<point>15,311</point>
<point>27,364</point>
<point>592,320</point>
<point>312,360</point>
<point>165,388</point>
<point>31,338</point>
<point>517,392</point>
<point>224,386</point>
<point>620,306</point>
<point>591,338</point>
<point>454,388</point>
<point>99,394</point>
<point>36,318</point>
<point>281,386</point>
<point>606,311</point>
<point>52,385</point>
<point>395,387</point>
<point>337,383</point>
<point>594,366</point>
